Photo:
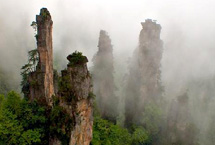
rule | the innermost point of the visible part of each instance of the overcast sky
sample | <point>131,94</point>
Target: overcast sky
<point>188,31</point>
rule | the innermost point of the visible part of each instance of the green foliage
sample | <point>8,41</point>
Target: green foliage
<point>140,136</point>
<point>34,25</point>
<point>146,130</point>
<point>21,122</point>
<point>91,95</point>
<point>1,100</point>
<point>26,123</point>
<point>64,84</point>
<point>24,83</point>
<point>96,112</point>
<point>65,88</point>
<point>76,58</point>
<point>33,59</point>
<point>44,13</point>
<point>13,103</point>
<point>60,123</point>
<point>10,128</point>
<point>106,133</point>
<point>30,136</point>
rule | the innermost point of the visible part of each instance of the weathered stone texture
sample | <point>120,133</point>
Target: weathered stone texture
<point>80,107</point>
<point>75,97</point>
<point>44,72</point>
<point>45,49</point>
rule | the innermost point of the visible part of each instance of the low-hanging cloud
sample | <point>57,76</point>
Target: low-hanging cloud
<point>188,32</point>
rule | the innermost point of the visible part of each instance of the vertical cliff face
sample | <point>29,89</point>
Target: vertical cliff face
<point>103,79</point>
<point>144,77</point>
<point>41,81</point>
<point>69,98</point>
<point>45,49</point>
<point>76,97</point>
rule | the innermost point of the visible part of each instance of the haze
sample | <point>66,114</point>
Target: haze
<point>188,33</point>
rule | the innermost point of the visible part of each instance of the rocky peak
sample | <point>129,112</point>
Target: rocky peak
<point>149,58</point>
<point>73,98</point>
<point>76,97</point>
<point>144,77</point>
<point>45,49</point>
<point>43,87</point>
<point>104,42</point>
<point>150,30</point>
<point>103,79</point>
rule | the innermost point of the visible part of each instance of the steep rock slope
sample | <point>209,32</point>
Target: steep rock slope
<point>69,104</point>
<point>41,81</point>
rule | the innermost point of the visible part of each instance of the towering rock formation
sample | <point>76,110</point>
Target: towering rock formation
<point>70,105</point>
<point>41,81</point>
<point>144,78</point>
<point>75,92</point>
<point>103,79</point>
<point>150,53</point>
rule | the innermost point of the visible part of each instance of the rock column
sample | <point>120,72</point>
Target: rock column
<point>41,81</point>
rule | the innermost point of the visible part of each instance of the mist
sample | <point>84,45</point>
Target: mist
<point>188,30</point>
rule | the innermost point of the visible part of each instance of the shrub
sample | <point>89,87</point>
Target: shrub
<point>21,122</point>
<point>105,132</point>
<point>76,58</point>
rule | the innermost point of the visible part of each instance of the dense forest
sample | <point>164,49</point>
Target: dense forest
<point>85,96</point>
